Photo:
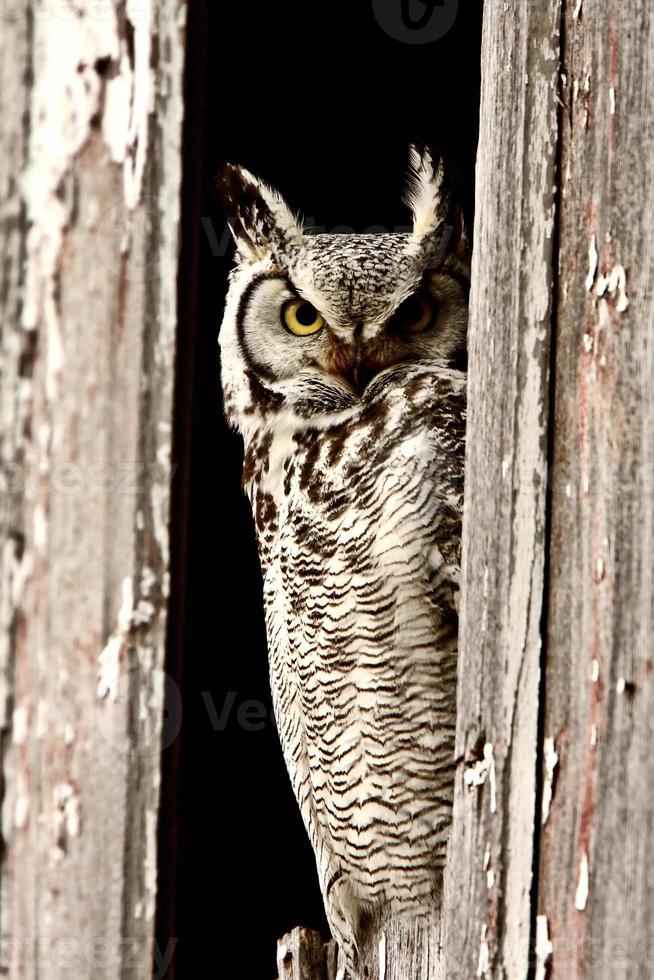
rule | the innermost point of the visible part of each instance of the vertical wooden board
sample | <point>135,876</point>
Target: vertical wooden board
<point>302,955</point>
<point>14,351</point>
<point>489,875</point>
<point>597,878</point>
<point>85,621</point>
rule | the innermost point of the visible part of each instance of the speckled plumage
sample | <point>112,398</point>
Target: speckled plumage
<point>356,488</point>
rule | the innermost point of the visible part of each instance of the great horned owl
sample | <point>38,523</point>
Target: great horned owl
<point>339,368</point>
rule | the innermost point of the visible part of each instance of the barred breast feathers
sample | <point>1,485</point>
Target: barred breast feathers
<point>359,546</point>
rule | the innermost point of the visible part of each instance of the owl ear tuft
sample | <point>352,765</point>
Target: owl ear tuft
<point>261,222</point>
<point>431,196</point>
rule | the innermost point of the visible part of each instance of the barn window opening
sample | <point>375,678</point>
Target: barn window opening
<point>327,118</point>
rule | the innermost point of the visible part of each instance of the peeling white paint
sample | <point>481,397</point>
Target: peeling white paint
<point>144,613</point>
<point>593,262</point>
<point>490,879</point>
<point>113,652</point>
<point>576,14</point>
<point>487,857</point>
<point>593,735</point>
<point>483,964</point>
<point>150,862</point>
<point>42,718</point>
<point>477,774</point>
<point>142,101</point>
<point>621,686</point>
<point>21,812</point>
<point>65,97</point>
<point>544,947</point>
<point>615,282</point>
<point>551,761</point>
<point>39,528</point>
<point>43,438</point>
<point>115,119</point>
<point>22,804</point>
<point>581,895</point>
<point>588,343</point>
<point>612,101</point>
<point>148,579</point>
<point>67,820</point>
<point>488,755</point>
<point>617,285</point>
<point>601,285</point>
<point>382,957</point>
<point>594,670</point>
<point>129,101</point>
<point>159,500</point>
<point>20,725</point>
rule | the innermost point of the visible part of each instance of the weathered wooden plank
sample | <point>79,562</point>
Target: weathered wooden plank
<point>302,955</point>
<point>401,948</point>
<point>597,882</point>
<point>86,545</point>
<point>14,352</point>
<point>489,878</point>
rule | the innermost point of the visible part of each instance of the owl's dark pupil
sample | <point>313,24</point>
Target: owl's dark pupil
<point>412,310</point>
<point>305,314</point>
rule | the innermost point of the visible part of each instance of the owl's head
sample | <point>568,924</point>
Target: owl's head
<point>314,322</point>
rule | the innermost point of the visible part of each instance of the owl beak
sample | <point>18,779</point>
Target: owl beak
<point>360,370</point>
<point>360,373</point>
<point>352,363</point>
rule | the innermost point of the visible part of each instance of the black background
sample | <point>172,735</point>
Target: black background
<point>320,102</point>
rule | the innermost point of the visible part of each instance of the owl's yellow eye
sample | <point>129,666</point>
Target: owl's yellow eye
<point>301,318</point>
<point>415,314</point>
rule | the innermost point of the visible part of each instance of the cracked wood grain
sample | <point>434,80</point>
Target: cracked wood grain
<point>89,179</point>
<point>488,883</point>
<point>596,885</point>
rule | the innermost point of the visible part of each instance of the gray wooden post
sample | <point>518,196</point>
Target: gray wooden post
<point>596,885</point>
<point>491,852</point>
<point>551,854</point>
<point>91,108</point>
